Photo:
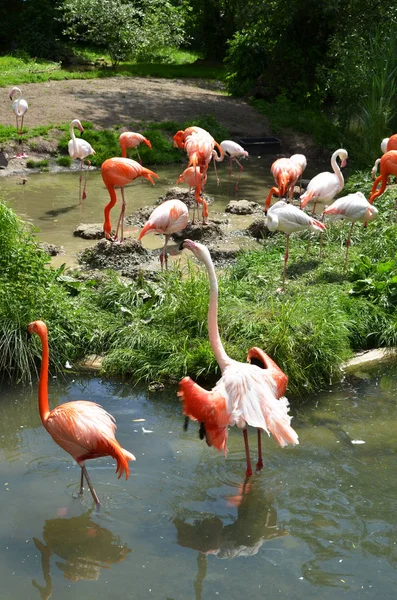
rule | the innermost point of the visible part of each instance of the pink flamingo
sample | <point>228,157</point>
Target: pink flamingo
<point>353,207</point>
<point>247,394</point>
<point>325,186</point>
<point>195,179</point>
<point>19,107</point>
<point>119,172</point>
<point>130,139</point>
<point>388,166</point>
<point>84,429</point>
<point>286,172</point>
<point>79,148</point>
<point>288,218</point>
<point>200,147</point>
<point>167,218</point>
<point>387,144</point>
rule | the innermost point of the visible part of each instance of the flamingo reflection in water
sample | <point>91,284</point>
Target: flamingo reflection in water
<point>256,523</point>
<point>83,546</point>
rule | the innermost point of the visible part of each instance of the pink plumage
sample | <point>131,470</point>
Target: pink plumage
<point>168,218</point>
<point>247,393</point>
<point>325,186</point>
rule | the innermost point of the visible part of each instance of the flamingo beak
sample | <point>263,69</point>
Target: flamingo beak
<point>181,246</point>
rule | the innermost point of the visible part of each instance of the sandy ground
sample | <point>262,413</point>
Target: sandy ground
<point>122,100</point>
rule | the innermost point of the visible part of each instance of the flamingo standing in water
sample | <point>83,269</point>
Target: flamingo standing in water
<point>286,172</point>
<point>196,180</point>
<point>353,207</point>
<point>79,148</point>
<point>200,148</point>
<point>84,429</point>
<point>19,107</point>
<point>119,172</point>
<point>234,151</point>
<point>167,218</point>
<point>130,139</point>
<point>388,166</point>
<point>247,394</point>
<point>325,186</point>
<point>288,218</point>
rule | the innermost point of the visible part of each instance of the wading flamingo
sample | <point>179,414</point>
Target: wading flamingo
<point>196,180</point>
<point>353,208</point>
<point>79,148</point>
<point>200,148</point>
<point>84,429</point>
<point>19,108</point>
<point>324,186</point>
<point>130,139</point>
<point>388,166</point>
<point>119,172</point>
<point>167,218</point>
<point>233,151</point>
<point>387,144</point>
<point>247,394</point>
<point>288,218</point>
<point>286,172</point>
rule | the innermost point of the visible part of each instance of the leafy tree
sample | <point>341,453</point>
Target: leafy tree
<point>123,27</point>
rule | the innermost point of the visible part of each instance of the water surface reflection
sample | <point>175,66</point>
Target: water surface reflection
<point>319,520</point>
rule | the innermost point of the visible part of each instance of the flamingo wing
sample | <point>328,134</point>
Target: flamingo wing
<point>208,407</point>
<point>85,430</point>
<point>249,390</point>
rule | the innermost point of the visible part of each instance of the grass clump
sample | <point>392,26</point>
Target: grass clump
<point>64,161</point>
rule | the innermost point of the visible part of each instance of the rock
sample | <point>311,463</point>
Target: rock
<point>3,161</point>
<point>199,232</point>
<point>185,195</point>
<point>258,229</point>
<point>140,216</point>
<point>93,231</point>
<point>243,207</point>
<point>52,249</point>
<point>128,258</point>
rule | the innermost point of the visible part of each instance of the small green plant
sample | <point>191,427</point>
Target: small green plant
<point>37,164</point>
<point>64,161</point>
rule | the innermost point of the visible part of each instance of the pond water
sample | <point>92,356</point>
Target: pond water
<point>50,201</point>
<point>319,521</point>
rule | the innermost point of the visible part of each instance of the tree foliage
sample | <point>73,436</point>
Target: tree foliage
<point>122,27</point>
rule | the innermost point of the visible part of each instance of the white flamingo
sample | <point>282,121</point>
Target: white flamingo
<point>19,107</point>
<point>288,218</point>
<point>353,207</point>
<point>324,186</point>
<point>233,151</point>
<point>79,148</point>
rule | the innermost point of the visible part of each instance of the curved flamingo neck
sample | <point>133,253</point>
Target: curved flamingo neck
<point>73,136</point>
<point>336,169</point>
<point>44,408</point>
<point>213,331</point>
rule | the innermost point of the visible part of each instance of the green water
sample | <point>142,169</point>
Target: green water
<point>319,521</point>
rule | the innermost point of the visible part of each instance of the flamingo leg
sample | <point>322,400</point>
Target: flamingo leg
<point>81,490</point>
<point>163,254</point>
<point>84,196</point>
<point>285,259</point>
<point>321,245</point>
<point>80,179</point>
<point>230,165</point>
<point>139,156</point>
<point>120,223</point>
<point>259,464</point>
<point>92,490</point>
<point>348,244</point>
<point>239,175</point>
<point>248,472</point>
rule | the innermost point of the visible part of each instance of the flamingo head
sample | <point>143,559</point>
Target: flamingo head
<point>36,327</point>
<point>13,91</point>
<point>178,139</point>
<point>343,157</point>
<point>371,213</point>
<point>76,123</point>
<point>199,250</point>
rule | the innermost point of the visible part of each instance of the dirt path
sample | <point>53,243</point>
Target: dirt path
<point>122,100</point>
